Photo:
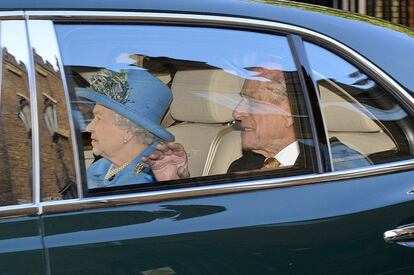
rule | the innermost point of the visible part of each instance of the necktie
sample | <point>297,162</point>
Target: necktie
<point>271,163</point>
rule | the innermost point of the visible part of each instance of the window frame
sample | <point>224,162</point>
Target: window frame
<point>209,181</point>
<point>404,99</point>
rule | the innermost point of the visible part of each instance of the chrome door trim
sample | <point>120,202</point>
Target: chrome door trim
<point>11,15</point>
<point>14,211</point>
<point>115,16</point>
<point>219,189</point>
<point>402,235</point>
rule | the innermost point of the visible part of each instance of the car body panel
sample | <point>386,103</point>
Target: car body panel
<point>246,233</point>
<point>20,240</point>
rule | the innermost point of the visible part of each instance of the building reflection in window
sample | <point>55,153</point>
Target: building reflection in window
<point>57,169</point>
<point>15,116</point>
<point>50,115</point>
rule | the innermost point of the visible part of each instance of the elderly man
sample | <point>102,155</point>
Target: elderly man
<point>267,131</point>
<point>268,135</point>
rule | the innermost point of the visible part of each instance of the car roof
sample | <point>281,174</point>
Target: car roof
<point>389,46</point>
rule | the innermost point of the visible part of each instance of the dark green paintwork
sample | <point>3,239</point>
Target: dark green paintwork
<point>21,249</point>
<point>329,228</point>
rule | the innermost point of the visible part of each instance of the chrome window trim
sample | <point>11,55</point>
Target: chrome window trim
<point>144,197</point>
<point>14,211</point>
<point>31,74</point>
<point>11,15</point>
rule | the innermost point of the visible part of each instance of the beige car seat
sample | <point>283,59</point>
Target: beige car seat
<point>352,124</point>
<point>203,102</point>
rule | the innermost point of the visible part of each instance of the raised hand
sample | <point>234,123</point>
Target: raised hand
<point>168,162</point>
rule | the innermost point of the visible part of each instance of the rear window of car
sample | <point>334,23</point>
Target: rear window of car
<point>207,71</point>
<point>365,124</point>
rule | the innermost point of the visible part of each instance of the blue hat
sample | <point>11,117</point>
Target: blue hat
<point>134,94</point>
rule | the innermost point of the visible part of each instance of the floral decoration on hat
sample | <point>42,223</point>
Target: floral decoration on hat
<point>112,84</point>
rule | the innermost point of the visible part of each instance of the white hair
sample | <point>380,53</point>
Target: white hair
<point>143,135</point>
<point>277,87</point>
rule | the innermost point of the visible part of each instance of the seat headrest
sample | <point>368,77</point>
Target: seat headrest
<point>206,96</point>
<point>344,116</point>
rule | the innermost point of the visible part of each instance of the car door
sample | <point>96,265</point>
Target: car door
<point>327,214</point>
<point>20,230</point>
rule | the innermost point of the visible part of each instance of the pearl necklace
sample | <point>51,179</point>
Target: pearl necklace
<point>112,171</point>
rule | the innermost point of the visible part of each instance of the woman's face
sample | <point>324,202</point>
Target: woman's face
<point>107,138</point>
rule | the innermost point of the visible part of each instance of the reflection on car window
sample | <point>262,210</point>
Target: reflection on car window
<point>365,124</point>
<point>57,169</point>
<point>233,92</point>
<point>15,117</point>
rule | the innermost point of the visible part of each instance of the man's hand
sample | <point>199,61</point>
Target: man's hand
<point>168,162</point>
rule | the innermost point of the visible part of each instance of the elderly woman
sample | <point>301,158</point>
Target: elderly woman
<point>126,129</point>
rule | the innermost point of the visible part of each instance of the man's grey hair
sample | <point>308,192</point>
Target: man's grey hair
<point>143,135</point>
<point>271,81</point>
<point>276,86</point>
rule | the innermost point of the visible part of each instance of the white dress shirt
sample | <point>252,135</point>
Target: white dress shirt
<point>289,154</point>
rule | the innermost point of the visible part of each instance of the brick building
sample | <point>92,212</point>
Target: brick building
<point>57,170</point>
<point>15,134</point>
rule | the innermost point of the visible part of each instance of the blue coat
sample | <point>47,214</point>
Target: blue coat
<point>97,171</point>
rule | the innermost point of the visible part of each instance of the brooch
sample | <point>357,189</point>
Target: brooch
<point>138,168</point>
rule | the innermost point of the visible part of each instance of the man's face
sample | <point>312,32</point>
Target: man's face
<point>107,138</point>
<point>264,118</point>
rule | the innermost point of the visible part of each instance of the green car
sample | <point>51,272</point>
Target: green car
<point>339,200</point>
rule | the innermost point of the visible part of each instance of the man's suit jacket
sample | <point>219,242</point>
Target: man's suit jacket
<point>249,161</point>
<point>342,155</point>
<point>253,161</point>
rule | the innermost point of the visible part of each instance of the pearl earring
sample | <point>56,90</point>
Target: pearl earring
<point>125,141</point>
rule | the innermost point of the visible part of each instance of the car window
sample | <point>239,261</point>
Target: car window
<point>217,79</point>
<point>364,123</point>
<point>56,154</point>
<point>15,119</point>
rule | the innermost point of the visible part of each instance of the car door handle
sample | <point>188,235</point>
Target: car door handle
<point>403,235</point>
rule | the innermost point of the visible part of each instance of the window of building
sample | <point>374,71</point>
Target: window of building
<point>24,114</point>
<point>50,115</point>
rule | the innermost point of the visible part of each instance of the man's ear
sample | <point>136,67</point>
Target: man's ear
<point>290,120</point>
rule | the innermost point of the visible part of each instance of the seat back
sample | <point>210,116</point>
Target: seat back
<point>203,102</point>
<point>347,121</point>
<point>354,133</point>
